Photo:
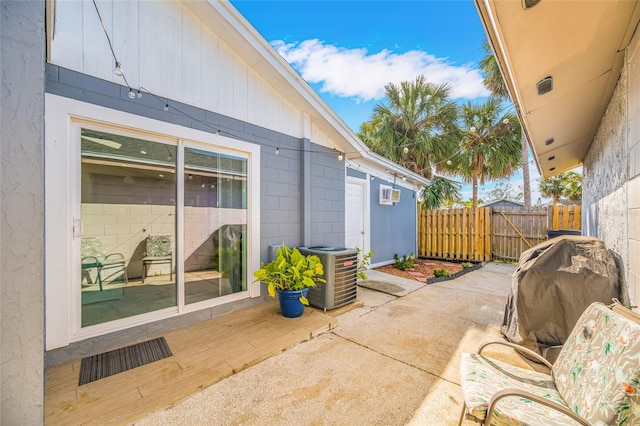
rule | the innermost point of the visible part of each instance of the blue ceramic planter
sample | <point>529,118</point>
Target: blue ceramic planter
<point>290,305</point>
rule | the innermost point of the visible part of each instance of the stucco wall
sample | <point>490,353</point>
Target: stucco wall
<point>611,186</point>
<point>21,181</point>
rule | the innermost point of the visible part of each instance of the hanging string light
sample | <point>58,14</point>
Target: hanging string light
<point>138,94</point>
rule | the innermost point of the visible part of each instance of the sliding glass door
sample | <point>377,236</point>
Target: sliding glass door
<point>131,223</point>
<point>128,213</point>
<point>215,223</point>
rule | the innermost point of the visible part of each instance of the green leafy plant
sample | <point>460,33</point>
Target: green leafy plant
<point>467,264</point>
<point>441,273</point>
<point>405,262</point>
<point>290,270</point>
<point>363,263</point>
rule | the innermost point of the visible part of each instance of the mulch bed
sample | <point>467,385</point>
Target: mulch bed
<point>425,268</point>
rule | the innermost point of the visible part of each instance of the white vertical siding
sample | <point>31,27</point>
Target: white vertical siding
<point>192,53</point>
<point>166,48</point>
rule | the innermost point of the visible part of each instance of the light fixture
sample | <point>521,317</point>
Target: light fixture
<point>472,129</point>
<point>405,150</point>
<point>132,94</point>
<point>161,175</point>
<point>340,157</point>
<point>143,152</point>
<point>548,141</point>
<point>528,4</point>
<point>203,185</point>
<point>118,69</point>
<point>105,142</point>
<point>404,178</point>
<point>277,151</point>
<point>372,178</point>
<point>190,176</point>
<point>545,85</point>
<point>166,106</point>
<point>139,94</point>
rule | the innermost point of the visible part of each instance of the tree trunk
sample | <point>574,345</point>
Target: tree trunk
<point>556,198</point>
<point>474,179</point>
<point>525,171</point>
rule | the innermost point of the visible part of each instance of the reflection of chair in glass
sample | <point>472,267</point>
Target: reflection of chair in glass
<point>93,256</point>
<point>158,251</point>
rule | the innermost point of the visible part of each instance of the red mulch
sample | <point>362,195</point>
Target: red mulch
<point>423,266</point>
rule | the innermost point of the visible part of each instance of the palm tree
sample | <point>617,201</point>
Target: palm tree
<point>440,192</point>
<point>568,184</point>
<point>495,83</point>
<point>573,186</point>
<point>415,126</point>
<point>490,144</point>
<point>492,75</point>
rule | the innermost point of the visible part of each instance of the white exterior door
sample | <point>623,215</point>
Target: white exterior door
<point>355,216</point>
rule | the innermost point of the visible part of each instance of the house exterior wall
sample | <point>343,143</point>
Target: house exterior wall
<point>169,51</point>
<point>22,228</point>
<point>611,182</point>
<point>393,228</point>
<point>280,183</point>
<point>327,204</point>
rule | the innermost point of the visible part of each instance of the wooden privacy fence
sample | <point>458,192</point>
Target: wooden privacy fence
<point>483,234</point>
<point>459,234</point>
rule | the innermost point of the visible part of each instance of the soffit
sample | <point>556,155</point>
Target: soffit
<point>581,45</point>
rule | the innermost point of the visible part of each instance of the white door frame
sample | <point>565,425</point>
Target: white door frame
<point>366,212</point>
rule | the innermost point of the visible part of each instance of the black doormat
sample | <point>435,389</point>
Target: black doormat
<point>113,362</point>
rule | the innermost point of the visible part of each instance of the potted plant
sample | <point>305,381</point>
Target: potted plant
<point>290,275</point>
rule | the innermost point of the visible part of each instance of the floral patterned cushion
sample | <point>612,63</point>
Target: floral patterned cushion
<point>482,377</point>
<point>92,247</point>
<point>158,246</point>
<point>598,370</point>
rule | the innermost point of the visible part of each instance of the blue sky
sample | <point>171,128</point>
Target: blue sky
<point>348,50</point>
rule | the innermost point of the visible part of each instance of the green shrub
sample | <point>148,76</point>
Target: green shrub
<point>467,264</point>
<point>441,273</point>
<point>405,262</point>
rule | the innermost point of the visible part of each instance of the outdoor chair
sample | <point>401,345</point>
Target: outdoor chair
<point>94,256</point>
<point>594,381</point>
<point>158,251</point>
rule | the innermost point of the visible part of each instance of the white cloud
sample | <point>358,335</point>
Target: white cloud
<point>358,73</point>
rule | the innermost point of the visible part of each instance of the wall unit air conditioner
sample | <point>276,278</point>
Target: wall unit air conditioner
<point>341,273</point>
<point>389,195</point>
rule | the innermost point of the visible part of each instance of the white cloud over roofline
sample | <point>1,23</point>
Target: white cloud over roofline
<point>363,75</point>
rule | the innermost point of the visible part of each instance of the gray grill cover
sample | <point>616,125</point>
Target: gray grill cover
<point>554,283</point>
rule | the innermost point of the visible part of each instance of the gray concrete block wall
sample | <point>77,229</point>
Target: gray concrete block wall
<point>22,205</point>
<point>327,198</point>
<point>279,196</point>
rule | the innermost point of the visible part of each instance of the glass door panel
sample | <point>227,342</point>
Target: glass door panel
<point>215,223</point>
<point>128,212</point>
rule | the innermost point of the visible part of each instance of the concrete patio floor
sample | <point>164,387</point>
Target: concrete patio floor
<point>390,361</point>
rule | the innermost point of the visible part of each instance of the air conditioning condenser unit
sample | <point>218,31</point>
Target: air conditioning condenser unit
<point>341,273</point>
